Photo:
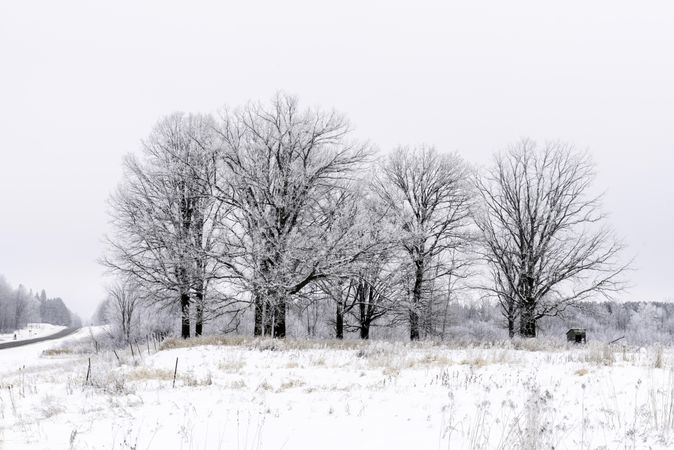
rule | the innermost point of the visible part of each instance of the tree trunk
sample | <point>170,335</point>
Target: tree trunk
<point>416,300</point>
<point>528,321</point>
<point>185,309</point>
<point>124,332</point>
<point>511,327</point>
<point>268,317</point>
<point>449,298</point>
<point>310,328</point>
<point>199,325</point>
<point>259,316</point>
<point>511,315</point>
<point>127,327</point>
<point>414,325</point>
<point>339,320</point>
<point>365,330</point>
<point>280,319</point>
<point>199,282</point>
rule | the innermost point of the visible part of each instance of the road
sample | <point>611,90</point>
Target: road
<point>60,334</point>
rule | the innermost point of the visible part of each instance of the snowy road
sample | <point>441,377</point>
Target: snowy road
<point>60,334</point>
<point>29,355</point>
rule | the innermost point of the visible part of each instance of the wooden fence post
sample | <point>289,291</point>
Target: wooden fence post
<point>175,372</point>
<point>86,381</point>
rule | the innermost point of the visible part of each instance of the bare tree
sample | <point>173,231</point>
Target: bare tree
<point>375,296</point>
<point>447,286</point>
<point>339,291</point>
<point>122,307</point>
<point>378,285</point>
<point>287,184</point>
<point>164,217</point>
<point>352,289</point>
<point>543,233</point>
<point>428,198</point>
<point>364,298</point>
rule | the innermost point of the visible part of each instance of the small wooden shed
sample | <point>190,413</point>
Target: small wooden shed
<point>576,335</point>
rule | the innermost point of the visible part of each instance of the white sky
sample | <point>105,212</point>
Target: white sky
<point>82,82</point>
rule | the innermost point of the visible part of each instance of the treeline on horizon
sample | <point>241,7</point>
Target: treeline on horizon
<point>20,306</point>
<point>631,323</point>
<point>268,215</point>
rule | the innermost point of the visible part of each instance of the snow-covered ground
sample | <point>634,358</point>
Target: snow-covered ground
<point>32,331</point>
<point>30,357</point>
<point>261,394</point>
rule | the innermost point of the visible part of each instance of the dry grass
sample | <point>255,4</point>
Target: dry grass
<point>374,350</point>
<point>318,360</point>
<point>192,381</point>
<point>263,344</point>
<point>305,344</point>
<point>368,349</point>
<point>50,406</point>
<point>265,386</point>
<point>601,355</point>
<point>391,371</point>
<point>539,344</point>
<point>475,362</point>
<point>231,365</point>
<point>113,383</point>
<point>582,372</point>
<point>148,373</point>
<point>236,384</point>
<point>290,384</point>
<point>172,343</point>
<point>434,359</point>
<point>57,351</point>
<point>152,374</point>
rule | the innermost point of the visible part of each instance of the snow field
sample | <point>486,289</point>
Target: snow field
<point>263,394</point>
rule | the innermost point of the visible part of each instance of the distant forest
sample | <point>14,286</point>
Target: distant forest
<point>21,306</point>
<point>633,323</point>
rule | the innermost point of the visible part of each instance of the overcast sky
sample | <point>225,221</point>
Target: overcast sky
<point>82,82</point>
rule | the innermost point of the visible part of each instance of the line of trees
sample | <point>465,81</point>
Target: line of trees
<point>269,209</point>
<point>21,306</point>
